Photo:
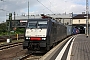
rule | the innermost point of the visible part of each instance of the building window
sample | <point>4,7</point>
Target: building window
<point>79,21</point>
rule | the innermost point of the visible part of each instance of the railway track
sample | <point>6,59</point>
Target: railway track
<point>13,37</point>
<point>31,57</point>
<point>10,45</point>
<point>38,56</point>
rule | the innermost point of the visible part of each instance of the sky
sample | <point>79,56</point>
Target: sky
<point>41,6</point>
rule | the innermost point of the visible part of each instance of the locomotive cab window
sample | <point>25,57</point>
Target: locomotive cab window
<point>42,24</point>
<point>37,24</point>
<point>32,24</point>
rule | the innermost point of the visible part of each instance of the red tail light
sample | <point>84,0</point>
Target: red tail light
<point>35,38</point>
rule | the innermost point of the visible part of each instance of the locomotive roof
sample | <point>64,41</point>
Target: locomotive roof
<point>37,19</point>
<point>46,20</point>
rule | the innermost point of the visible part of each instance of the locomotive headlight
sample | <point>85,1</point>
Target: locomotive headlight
<point>43,38</point>
<point>27,38</point>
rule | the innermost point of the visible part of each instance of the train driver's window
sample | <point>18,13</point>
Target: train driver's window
<point>42,24</point>
<point>32,24</point>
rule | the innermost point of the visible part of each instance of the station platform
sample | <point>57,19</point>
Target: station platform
<point>76,47</point>
<point>80,48</point>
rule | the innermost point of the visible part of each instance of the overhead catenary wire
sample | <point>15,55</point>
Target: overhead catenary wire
<point>45,6</point>
<point>52,5</point>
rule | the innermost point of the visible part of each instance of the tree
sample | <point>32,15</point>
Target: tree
<point>3,28</point>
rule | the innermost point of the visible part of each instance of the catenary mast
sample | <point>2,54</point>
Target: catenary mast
<point>87,12</point>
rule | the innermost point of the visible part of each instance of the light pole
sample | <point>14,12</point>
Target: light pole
<point>28,9</point>
<point>87,7</point>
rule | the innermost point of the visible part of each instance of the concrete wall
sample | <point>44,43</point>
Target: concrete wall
<point>65,21</point>
<point>79,21</point>
<point>69,30</point>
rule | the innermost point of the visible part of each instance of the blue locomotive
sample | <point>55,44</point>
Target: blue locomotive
<point>75,31</point>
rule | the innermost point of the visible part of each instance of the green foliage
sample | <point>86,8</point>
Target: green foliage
<point>4,30</point>
<point>20,30</point>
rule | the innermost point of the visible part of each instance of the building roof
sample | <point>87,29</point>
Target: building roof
<point>81,16</point>
<point>39,16</point>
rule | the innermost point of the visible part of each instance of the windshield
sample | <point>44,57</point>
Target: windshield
<point>32,24</point>
<point>42,24</point>
<point>37,24</point>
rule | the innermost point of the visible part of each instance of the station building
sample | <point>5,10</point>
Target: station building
<point>74,20</point>
<point>79,21</point>
<point>20,21</point>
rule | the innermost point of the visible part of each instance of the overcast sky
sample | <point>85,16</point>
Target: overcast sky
<point>41,6</point>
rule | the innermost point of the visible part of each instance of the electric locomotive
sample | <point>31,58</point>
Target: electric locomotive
<point>42,34</point>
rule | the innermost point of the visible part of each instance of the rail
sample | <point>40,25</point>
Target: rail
<point>13,37</point>
<point>53,53</point>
